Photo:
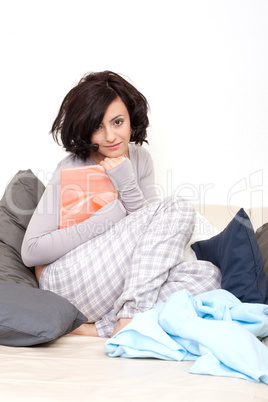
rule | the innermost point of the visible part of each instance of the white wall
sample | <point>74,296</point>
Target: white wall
<point>202,64</point>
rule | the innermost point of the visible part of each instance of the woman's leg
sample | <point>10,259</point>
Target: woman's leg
<point>85,330</point>
<point>158,250</point>
<point>120,272</point>
<point>195,276</point>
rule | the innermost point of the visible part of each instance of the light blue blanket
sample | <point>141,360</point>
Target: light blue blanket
<point>214,328</point>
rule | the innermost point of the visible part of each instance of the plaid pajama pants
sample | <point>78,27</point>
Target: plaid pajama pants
<point>132,266</point>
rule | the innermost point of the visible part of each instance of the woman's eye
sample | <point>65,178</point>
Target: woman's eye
<point>97,128</point>
<point>118,122</point>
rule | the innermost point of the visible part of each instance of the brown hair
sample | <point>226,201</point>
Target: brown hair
<point>83,108</point>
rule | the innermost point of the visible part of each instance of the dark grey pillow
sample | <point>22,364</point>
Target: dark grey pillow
<point>31,316</point>
<point>16,208</point>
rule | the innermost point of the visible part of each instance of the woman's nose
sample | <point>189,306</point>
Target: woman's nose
<point>109,135</point>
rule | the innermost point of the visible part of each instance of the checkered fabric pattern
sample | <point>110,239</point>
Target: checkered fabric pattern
<point>132,266</point>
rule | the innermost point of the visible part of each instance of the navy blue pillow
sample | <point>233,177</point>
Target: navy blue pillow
<point>236,252</point>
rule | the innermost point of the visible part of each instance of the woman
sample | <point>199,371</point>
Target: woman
<point>129,254</point>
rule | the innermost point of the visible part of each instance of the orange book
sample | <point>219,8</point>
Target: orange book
<point>83,191</point>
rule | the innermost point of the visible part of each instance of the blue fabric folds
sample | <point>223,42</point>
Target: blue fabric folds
<point>214,329</point>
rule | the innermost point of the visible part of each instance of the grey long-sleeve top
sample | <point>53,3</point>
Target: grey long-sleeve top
<point>44,242</point>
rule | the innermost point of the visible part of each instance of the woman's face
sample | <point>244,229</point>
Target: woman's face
<point>113,133</point>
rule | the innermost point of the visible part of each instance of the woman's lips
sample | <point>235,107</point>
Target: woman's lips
<point>115,146</point>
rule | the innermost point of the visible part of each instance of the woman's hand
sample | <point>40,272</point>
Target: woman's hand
<point>109,163</point>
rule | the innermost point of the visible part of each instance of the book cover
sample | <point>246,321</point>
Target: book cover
<point>83,191</point>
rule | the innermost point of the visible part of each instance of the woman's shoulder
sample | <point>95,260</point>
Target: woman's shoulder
<point>138,151</point>
<point>141,159</point>
<point>72,161</point>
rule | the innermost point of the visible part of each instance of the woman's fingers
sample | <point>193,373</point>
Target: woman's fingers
<point>109,163</point>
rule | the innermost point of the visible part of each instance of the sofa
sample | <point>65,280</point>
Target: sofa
<point>42,361</point>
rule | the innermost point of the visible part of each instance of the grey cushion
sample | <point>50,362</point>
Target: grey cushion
<point>16,208</point>
<point>31,316</point>
<point>28,316</point>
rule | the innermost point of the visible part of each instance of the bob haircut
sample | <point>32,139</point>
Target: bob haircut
<point>83,108</point>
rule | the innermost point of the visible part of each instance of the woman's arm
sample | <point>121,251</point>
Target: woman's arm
<point>43,242</point>
<point>134,190</point>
